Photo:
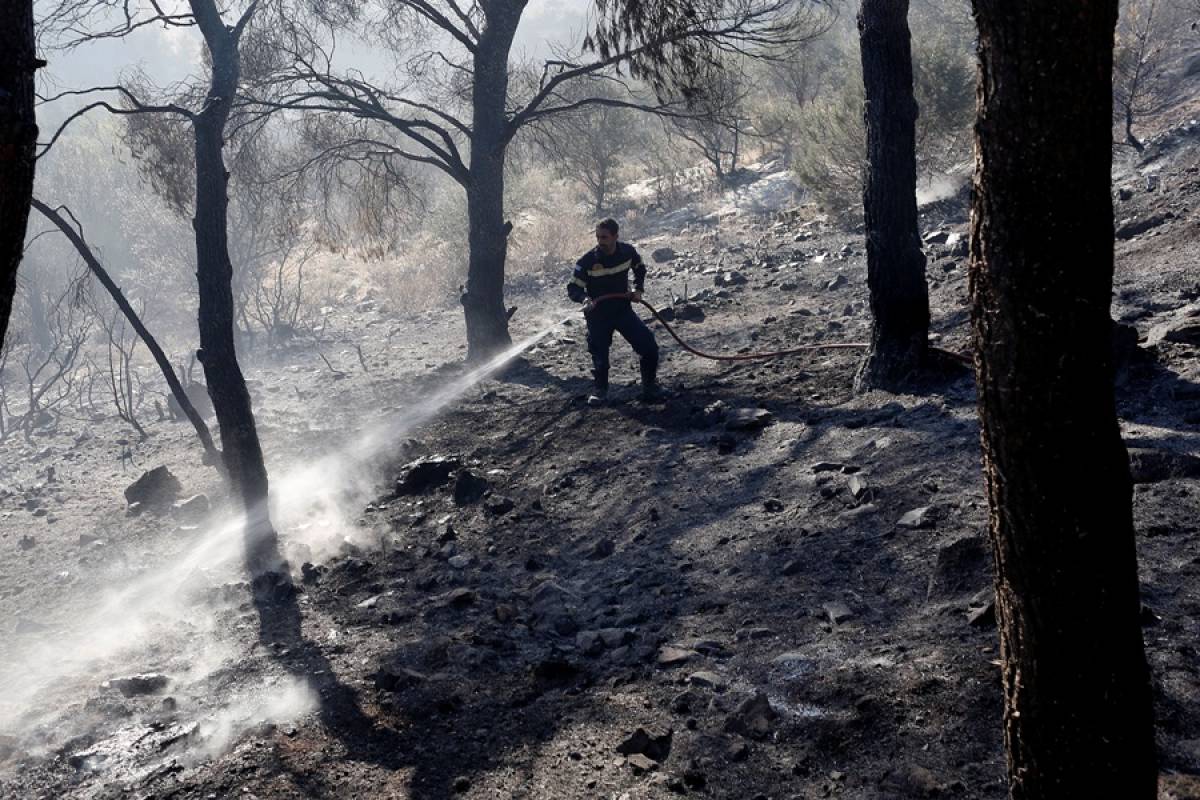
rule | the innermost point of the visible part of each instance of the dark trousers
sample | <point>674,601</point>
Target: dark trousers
<point>600,327</point>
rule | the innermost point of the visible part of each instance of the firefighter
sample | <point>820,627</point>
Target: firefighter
<point>603,271</point>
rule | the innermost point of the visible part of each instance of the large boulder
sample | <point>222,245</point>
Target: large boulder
<point>961,567</point>
<point>426,474</point>
<point>1151,466</point>
<point>156,489</point>
<point>1130,228</point>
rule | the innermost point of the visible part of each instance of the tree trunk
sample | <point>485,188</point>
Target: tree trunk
<point>212,456</point>
<point>895,262</point>
<point>483,303</point>
<point>1130,139</point>
<point>18,138</point>
<point>214,273</point>
<point>1078,718</point>
<point>39,327</point>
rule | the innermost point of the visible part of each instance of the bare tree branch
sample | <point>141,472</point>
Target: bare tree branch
<point>135,106</point>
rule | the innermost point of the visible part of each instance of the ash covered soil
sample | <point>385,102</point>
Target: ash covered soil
<point>765,588</point>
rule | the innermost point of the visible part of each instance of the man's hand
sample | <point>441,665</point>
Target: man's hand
<point>588,306</point>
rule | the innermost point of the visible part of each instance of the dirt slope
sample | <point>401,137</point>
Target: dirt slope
<point>637,601</point>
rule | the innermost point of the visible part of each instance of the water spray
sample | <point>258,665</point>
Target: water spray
<point>172,605</point>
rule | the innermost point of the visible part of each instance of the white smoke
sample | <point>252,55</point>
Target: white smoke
<point>174,618</point>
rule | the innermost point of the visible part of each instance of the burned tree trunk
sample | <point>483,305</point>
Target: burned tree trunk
<point>895,262</point>
<point>1078,716</point>
<point>212,455</point>
<point>483,303</point>
<point>18,138</point>
<point>214,273</point>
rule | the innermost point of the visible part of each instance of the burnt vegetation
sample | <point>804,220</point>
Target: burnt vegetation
<point>303,494</point>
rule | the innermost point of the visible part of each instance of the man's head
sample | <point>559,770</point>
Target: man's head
<point>606,235</point>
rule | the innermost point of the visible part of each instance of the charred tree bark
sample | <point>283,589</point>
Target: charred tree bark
<point>895,261</point>
<point>483,303</point>
<point>214,273</point>
<point>212,455</point>
<point>1078,710</point>
<point>18,139</point>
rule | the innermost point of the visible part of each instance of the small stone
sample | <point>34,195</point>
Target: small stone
<point>397,678</point>
<point>653,743</point>
<point>737,751</point>
<point>602,549</point>
<point>505,613</point>
<point>26,542</point>
<point>773,505</point>
<point>858,487</point>
<point>138,685</point>
<point>793,567</point>
<point>754,634</point>
<point>589,643</point>
<point>370,602</point>
<point>730,278</point>
<point>793,659</point>
<point>192,508</point>
<point>936,237</point>
<point>662,255</point>
<point>984,617</point>
<point>708,680</point>
<point>745,419</point>
<point>500,506</point>
<point>469,488</point>
<point>838,612</point>
<point>836,283</point>
<point>461,561</point>
<point>684,702</point>
<point>916,518</point>
<point>461,598</point>
<point>674,656</point>
<point>961,566</point>
<point>462,784</point>
<point>615,637</point>
<point>827,466</point>
<point>641,763</point>
<point>753,718</point>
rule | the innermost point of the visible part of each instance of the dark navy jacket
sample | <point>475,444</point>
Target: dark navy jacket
<point>597,274</point>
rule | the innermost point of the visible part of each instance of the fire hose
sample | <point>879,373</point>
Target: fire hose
<point>750,356</point>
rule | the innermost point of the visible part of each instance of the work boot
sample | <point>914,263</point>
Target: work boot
<point>598,396</point>
<point>600,386</point>
<point>651,392</point>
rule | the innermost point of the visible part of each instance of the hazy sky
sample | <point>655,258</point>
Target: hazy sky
<point>171,53</point>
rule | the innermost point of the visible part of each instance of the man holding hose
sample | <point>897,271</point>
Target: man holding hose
<point>604,271</point>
